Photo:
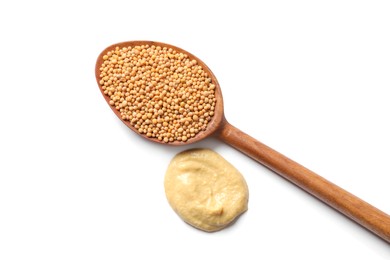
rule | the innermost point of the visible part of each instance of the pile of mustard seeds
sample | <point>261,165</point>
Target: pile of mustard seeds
<point>161,92</point>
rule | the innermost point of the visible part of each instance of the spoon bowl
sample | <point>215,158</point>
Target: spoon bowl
<point>341,200</point>
<point>218,116</point>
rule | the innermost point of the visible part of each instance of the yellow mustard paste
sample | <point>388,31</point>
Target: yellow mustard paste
<point>205,190</point>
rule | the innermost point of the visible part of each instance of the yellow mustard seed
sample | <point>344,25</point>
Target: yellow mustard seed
<point>162,93</point>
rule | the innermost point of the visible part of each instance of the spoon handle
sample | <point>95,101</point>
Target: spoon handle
<point>351,206</point>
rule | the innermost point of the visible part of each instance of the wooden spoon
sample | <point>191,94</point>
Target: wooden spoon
<point>346,203</point>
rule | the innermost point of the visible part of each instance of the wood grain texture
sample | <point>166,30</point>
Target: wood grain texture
<point>351,206</point>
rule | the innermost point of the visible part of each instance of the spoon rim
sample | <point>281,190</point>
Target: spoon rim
<point>216,119</point>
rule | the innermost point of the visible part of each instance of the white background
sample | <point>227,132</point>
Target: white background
<point>309,78</point>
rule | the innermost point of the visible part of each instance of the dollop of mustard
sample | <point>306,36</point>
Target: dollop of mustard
<point>205,190</point>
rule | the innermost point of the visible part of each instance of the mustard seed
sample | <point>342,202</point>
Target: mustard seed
<point>161,92</point>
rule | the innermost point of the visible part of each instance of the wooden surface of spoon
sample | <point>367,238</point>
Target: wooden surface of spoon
<point>346,203</point>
